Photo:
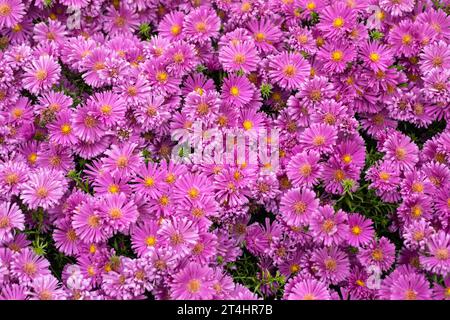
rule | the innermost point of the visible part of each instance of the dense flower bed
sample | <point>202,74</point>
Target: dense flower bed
<point>101,104</point>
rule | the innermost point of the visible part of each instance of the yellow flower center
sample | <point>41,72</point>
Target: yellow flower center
<point>442,254</point>
<point>406,39</point>
<point>374,57</point>
<point>400,153</point>
<point>93,221</point>
<point>161,76</point>
<point>311,6</point>
<point>194,285</point>
<point>260,37</point>
<point>200,27</point>
<point>234,91</point>
<point>41,75</point>
<point>417,187</point>
<point>149,182</point>
<point>42,192</point>
<point>306,170</point>
<point>360,283</point>
<point>356,230</point>
<point>330,264</point>
<point>12,178</point>
<point>178,57</point>
<point>347,158</point>
<point>114,188</point>
<point>193,193</point>
<point>338,22</point>
<point>17,112</point>
<point>294,268</point>
<point>416,211</point>
<point>4,222</point>
<point>32,157</point>
<point>319,140</point>
<point>202,108</point>
<point>90,122</point>
<point>410,294</point>
<point>328,225</point>
<point>377,255</point>
<point>239,58</point>
<point>5,9</point>
<point>71,235</point>
<point>150,241</point>
<point>337,55</point>
<point>175,29</point>
<point>30,268</point>
<point>115,213</point>
<point>289,70</point>
<point>66,129</point>
<point>300,207</point>
<point>247,124</point>
<point>384,175</point>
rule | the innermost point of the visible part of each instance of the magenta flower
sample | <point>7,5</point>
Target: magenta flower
<point>11,12</point>
<point>379,253</point>
<point>193,282</point>
<point>360,230</point>
<point>288,70</point>
<point>304,169</point>
<point>11,217</point>
<point>41,74</point>
<point>240,56</point>
<point>297,206</point>
<point>238,91</point>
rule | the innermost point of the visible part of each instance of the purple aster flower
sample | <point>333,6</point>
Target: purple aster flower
<point>329,226</point>
<point>379,253</point>
<point>401,151</point>
<point>41,74</point>
<point>304,169</point>
<point>47,288</point>
<point>438,260</point>
<point>336,20</point>
<point>319,137</point>
<point>288,70</point>
<point>241,56</point>
<point>44,188</point>
<point>360,230</point>
<point>202,24</point>
<point>144,237</point>
<point>119,212</point>
<point>376,56</point>
<point>11,218</point>
<point>335,56</point>
<point>331,264</point>
<point>237,90</point>
<point>122,159</point>
<point>297,206</point>
<point>309,289</point>
<point>179,234</point>
<point>11,12</point>
<point>266,34</point>
<point>27,266</point>
<point>171,26</point>
<point>193,282</point>
<point>88,222</point>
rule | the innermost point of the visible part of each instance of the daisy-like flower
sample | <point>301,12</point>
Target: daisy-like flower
<point>319,137</point>
<point>47,288</point>
<point>193,282</point>
<point>12,175</point>
<point>304,169</point>
<point>237,90</point>
<point>13,292</point>
<point>288,70</point>
<point>149,180</point>
<point>376,56</point>
<point>121,20</point>
<point>385,178</point>
<point>122,159</point>
<point>360,230</point>
<point>108,107</point>
<point>403,38</point>
<point>41,74</point>
<point>410,286</point>
<point>202,24</point>
<point>61,130</point>
<point>11,217</point>
<point>417,233</point>
<point>331,264</point>
<point>297,206</point>
<point>27,266</point>
<point>401,151</point>
<point>240,56</point>
<point>379,253</point>
<point>435,56</point>
<point>397,8</point>
<point>266,34</point>
<point>66,239</point>
<point>181,58</point>
<point>88,222</point>
<point>329,226</point>
<point>11,12</point>
<point>86,126</point>
<point>309,289</point>
<point>335,56</point>
<point>44,188</point>
<point>337,19</point>
<point>438,259</point>
<point>171,26</point>
<point>179,234</point>
<point>144,237</point>
<point>119,212</point>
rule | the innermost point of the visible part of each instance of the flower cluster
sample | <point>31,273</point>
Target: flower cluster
<point>101,103</point>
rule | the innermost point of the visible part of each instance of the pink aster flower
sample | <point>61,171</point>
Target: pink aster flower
<point>360,230</point>
<point>44,188</point>
<point>304,169</point>
<point>337,19</point>
<point>332,264</point>
<point>11,218</point>
<point>410,286</point>
<point>297,206</point>
<point>319,137</point>
<point>438,260</point>
<point>122,159</point>
<point>66,239</point>
<point>435,56</point>
<point>379,253</point>
<point>193,282</point>
<point>237,90</point>
<point>27,266</point>
<point>61,130</point>
<point>179,234</point>
<point>288,70</point>
<point>397,8</point>
<point>329,226</point>
<point>13,292</point>
<point>108,107</point>
<point>202,24</point>
<point>11,12</point>
<point>266,34</point>
<point>121,20</point>
<point>47,288</point>
<point>309,289</point>
<point>171,26</point>
<point>401,151</point>
<point>241,56</point>
<point>144,237</point>
<point>41,74</point>
<point>404,38</point>
<point>376,56</point>
<point>335,56</point>
<point>119,212</point>
<point>88,222</point>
